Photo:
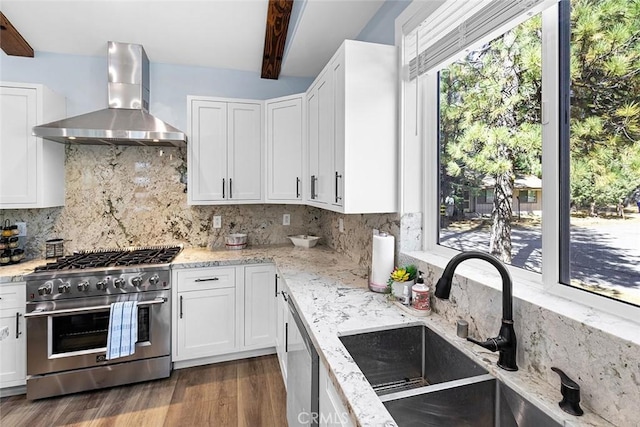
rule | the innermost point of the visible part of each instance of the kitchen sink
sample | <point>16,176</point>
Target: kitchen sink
<point>424,380</point>
<point>404,358</point>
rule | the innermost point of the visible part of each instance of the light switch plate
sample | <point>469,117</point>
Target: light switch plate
<point>286,219</point>
<point>217,221</point>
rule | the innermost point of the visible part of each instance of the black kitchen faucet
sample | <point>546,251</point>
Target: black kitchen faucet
<point>505,342</point>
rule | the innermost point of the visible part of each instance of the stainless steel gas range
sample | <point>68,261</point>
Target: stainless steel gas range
<point>67,315</point>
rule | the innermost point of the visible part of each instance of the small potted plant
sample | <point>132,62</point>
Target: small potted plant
<point>399,278</point>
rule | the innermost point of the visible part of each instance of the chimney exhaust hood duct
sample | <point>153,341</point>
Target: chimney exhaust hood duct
<point>127,120</point>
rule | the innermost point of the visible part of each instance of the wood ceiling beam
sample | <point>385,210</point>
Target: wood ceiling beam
<point>278,15</point>
<point>11,41</point>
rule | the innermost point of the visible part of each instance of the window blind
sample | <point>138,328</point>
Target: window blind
<point>458,25</point>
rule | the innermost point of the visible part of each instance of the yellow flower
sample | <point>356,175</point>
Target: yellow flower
<point>400,275</point>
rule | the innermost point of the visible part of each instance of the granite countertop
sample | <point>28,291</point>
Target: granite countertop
<point>16,272</point>
<point>331,294</point>
<point>333,299</point>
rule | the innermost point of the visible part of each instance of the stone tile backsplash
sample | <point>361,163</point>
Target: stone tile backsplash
<point>134,196</point>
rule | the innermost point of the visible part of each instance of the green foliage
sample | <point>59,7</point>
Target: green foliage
<point>605,106</point>
<point>412,270</point>
<point>490,106</point>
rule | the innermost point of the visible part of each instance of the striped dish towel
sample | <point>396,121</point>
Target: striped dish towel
<point>123,329</point>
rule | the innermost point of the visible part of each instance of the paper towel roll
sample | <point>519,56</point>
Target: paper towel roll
<point>382,258</point>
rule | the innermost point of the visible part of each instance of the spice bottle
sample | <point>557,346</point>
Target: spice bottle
<point>420,293</point>
<point>406,294</point>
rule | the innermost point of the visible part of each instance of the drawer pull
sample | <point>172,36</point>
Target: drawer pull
<point>286,337</point>
<point>208,279</point>
<point>181,306</point>
<point>18,333</point>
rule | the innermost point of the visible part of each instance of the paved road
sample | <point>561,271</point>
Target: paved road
<point>605,254</point>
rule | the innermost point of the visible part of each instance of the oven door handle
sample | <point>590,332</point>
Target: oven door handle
<point>42,313</point>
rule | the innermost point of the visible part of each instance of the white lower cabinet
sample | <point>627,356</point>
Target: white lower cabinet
<point>205,312</point>
<point>13,342</point>
<point>333,413</point>
<point>206,323</point>
<point>260,293</point>
<point>219,312</point>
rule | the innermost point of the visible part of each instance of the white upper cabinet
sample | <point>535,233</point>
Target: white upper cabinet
<point>352,131</point>
<point>207,158</point>
<point>32,168</point>
<point>320,99</point>
<point>245,151</point>
<point>285,142</point>
<point>225,151</point>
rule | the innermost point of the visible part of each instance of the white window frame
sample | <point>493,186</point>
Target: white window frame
<point>548,281</point>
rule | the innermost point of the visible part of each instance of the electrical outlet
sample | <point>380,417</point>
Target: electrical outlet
<point>341,225</point>
<point>217,221</point>
<point>286,219</point>
<point>22,228</point>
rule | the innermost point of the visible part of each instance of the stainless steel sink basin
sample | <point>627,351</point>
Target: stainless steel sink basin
<point>408,357</point>
<point>423,380</point>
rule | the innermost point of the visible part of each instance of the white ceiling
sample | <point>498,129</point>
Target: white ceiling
<point>210,33</point>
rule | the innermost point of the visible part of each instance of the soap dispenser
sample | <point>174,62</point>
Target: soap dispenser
<point>420,294</point>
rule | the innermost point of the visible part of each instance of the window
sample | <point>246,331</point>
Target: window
<point>528,196</point>
<point>486,196</point>
<point>604,149</point>
<point>490,133</point>
<point>492,97</point>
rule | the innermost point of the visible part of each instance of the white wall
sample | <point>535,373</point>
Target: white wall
<point>83,81</point>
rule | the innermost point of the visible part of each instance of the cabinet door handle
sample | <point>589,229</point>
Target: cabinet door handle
<point>337,176</point>
<point>208,279</point>
<point>276,285</point>
<point>181,306</point>
<point>313,186</point>
<point>230,189</point>
<point>286,337</point>
<point>18,333</point>
<point>223,188</point>
<point>297,187</point>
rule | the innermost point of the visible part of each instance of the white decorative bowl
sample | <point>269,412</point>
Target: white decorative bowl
<point>304,241</point>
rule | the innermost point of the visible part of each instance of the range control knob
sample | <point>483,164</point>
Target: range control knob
<point>101,285</point>
<point>83,286</point>
<point>119,283</point>
<point>45,289</point>
<point>136,281</point>
<point>153,280</point>
<point>64,288</point>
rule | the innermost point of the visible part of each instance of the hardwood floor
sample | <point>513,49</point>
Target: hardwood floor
<point>246,392</point>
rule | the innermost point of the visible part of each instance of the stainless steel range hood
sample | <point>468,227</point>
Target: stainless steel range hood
<point>127,120</point>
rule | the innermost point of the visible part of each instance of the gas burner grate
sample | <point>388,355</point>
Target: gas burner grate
<point>103,258</point>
